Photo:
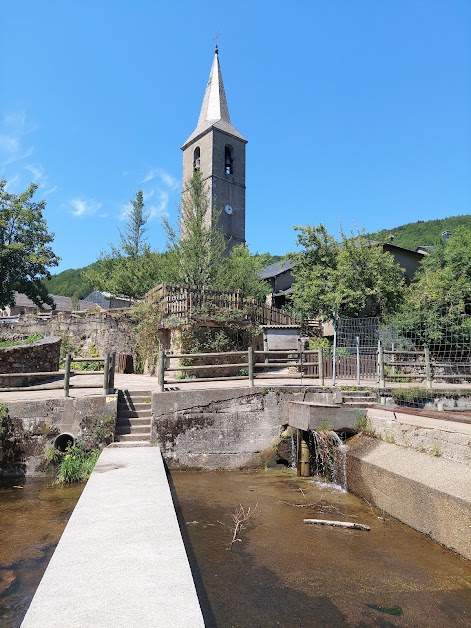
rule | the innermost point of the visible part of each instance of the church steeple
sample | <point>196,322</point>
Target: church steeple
<point>214,110</point>
<point>217,150</point>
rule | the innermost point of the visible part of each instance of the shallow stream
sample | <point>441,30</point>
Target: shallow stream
<point>282,572</point>
<point>33,515</point>
<point>287,573</point>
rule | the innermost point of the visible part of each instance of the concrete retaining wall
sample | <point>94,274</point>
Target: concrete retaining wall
<point>223,429</point>
<point>442,439</point>
<point>430,494</point>
<point>34,424</point>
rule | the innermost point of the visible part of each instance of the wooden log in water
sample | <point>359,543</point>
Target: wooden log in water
<point>338,524</point>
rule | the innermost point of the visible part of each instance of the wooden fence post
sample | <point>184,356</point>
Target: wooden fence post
<point>250,356</point>
<point>320,366</point>
<point>106,374</point>
<point>428,370</point>
<point>68,360</point>
<point>161,371</point>
<point>381,364</point>
<point>112,372</point>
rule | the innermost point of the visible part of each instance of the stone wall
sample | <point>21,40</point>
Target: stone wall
<point>223,428</point>
<point>37,357</point>
<point>32,425</point>
<point>107,333</point>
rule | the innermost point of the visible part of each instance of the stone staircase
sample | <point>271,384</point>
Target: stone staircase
<point>133,424</point>
<point>359,398</point>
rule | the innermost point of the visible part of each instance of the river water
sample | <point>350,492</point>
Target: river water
<point>33,515</point>
<point>282,572</point>
<point>286,573</point>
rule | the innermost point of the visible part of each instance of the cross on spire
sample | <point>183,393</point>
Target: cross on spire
<point>216,37</point>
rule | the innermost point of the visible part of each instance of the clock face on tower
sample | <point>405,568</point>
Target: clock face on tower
<point>228,209</point>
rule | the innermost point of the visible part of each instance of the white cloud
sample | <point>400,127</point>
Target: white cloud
<point>13,128</point>
<point>82,207</point>
<point>49,191</point>
<point>167,179</point>
<point>159,210</point>
<point>151,174</point>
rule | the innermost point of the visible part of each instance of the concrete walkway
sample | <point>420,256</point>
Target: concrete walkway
<point>121,562</point>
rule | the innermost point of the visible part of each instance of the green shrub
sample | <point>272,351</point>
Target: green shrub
<point>76,464</point>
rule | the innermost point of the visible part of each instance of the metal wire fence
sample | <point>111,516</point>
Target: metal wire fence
<point>422,347</point>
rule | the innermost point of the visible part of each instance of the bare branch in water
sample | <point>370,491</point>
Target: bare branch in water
<point>239,517</point>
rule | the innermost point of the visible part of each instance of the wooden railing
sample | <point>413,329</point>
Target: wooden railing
<point>244,363</point>
<point>185,302</point>
<point>108,372</point>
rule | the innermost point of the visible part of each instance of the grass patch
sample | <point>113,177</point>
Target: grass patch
<point>363,423</point>
<point>76,464</point>
<point>18,343</point>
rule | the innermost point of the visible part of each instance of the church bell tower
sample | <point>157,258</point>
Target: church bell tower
<point>217,149</point>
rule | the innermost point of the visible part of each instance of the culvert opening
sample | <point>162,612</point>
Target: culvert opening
<point>63,441</point>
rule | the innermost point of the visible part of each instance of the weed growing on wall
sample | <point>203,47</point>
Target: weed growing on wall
<point>11,453</point>
<point>77,464</point>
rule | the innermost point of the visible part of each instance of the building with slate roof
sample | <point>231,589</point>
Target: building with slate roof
<point>281,277</point>
<point>217,150</point>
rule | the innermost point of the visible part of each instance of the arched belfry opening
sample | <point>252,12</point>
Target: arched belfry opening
<point>228,159</point>
<point>197,158</point>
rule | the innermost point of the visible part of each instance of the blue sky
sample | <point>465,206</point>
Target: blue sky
<point>356,111</point>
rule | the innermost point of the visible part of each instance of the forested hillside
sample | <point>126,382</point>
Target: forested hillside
<point>75,283</point>
<point>70,283</point>
<point>422,232</point>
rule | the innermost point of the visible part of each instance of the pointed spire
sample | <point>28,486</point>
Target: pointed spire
<point>214,105</point>
<point>214,110</point>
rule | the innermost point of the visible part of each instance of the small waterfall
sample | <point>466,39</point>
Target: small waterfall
<point>340,465</point>
<point>294,455</point>
<point>328,456</point>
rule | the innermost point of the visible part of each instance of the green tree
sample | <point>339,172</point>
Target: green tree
<point>196,246</point>
<point>437,307</point>
<point>132,268</point>
<point>353,276</point>
<point>241,271</point>
<point>132,240</point>
<point>25,252</point>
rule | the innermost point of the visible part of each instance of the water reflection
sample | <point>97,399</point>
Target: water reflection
<point>285,573</point>
<point>33,514</point>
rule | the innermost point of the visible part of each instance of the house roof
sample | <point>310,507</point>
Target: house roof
<point>63,304</point>
<point>214,110</point>
<point>83,305</point>
<point>273,270</point>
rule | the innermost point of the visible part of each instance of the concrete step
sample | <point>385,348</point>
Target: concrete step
<point>134,414</point>
<point>133,421</point>
<point>360,403</point>
<point>129,438</point>
<point>133,405</point>
<point>132,429</point>
<point>134,443</point>
<point>136,394</point>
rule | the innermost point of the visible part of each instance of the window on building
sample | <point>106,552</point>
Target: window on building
<point>196,158</point>
<point>228,161</point>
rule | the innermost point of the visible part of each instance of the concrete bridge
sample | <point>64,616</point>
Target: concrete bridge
<point>121,561</point>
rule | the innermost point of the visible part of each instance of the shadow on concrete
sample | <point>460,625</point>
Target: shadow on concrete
<point>208,615</point>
